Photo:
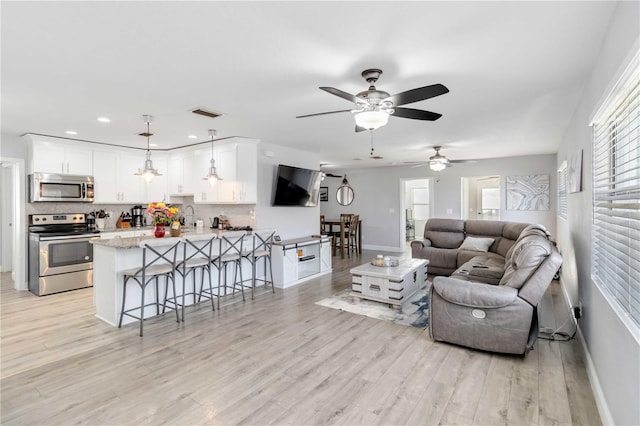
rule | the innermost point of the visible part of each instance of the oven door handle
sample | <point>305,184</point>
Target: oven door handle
<point>69,237</point>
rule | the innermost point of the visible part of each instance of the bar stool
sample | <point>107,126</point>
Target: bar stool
<point>158,260</point>
<point>262,242</point>
<point>229,251</point>
<point>197,255</point>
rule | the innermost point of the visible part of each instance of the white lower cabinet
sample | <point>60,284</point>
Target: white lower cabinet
<point>299,260</point>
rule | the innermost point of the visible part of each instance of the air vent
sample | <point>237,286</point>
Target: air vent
<point>206,113</point>
<point>145,134</point>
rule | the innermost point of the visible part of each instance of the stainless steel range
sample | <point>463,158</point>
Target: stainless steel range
<point>60,252</point>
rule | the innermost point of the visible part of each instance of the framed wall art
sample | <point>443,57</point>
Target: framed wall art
<point>529,192</point>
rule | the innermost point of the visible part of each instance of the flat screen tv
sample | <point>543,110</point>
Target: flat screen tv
<point>296,186</point>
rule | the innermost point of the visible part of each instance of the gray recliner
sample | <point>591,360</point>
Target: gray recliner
<point>503,317</point>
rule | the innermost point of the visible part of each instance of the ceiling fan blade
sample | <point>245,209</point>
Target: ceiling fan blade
<point>360,129</point>
<point>416,114</point>
<point>463,161</point>
<point>323,113</point>
<point>419,94</point>
<point>332,175</point>
<point>340,93</point>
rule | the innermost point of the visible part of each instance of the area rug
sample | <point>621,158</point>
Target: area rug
<point>414,311</point>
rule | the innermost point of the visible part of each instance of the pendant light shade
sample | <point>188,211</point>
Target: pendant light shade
<point>212,176</point>
<point>148,173</point>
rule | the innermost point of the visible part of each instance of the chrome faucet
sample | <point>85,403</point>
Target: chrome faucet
<point>186,216</point>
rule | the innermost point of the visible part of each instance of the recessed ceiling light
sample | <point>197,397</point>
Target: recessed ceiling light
<point>104,120</point>
<point>193,137</point>
<point>153,144</point>
<point>71,132</point>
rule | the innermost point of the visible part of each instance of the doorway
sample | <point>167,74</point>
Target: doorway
<point>417,206</point>
<point>481,197</point>
<point>13,233</point>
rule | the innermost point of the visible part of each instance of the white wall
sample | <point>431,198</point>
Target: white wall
<point>378,191</point>
<point>289,222</point>
<point>614,351</point>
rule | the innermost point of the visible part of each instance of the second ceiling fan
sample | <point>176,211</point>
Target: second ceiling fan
<point>373,107</point>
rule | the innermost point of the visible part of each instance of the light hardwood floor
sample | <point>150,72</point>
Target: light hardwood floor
<point>279,359</point>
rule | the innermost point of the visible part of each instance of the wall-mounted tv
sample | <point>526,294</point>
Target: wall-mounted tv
<point>296,186</point>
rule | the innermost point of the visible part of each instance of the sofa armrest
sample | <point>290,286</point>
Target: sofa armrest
<point>421,243</point>
<point>474,294</point>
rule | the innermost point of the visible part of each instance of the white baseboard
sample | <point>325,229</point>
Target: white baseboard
<point>383,248</point>
<point>598,394</point>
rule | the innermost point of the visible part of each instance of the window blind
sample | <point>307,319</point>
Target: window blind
<point>615,265</point>
<point>562,190</point>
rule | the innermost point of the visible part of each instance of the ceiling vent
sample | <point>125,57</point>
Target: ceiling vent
<point>206,113</point>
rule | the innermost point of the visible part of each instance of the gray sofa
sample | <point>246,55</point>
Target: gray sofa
<point>469,309</point>
<point>442,241</point>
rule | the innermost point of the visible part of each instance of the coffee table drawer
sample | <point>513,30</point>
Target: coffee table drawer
<point>389,285</point>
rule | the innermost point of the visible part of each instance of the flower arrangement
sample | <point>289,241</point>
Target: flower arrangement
<point>162,213</point>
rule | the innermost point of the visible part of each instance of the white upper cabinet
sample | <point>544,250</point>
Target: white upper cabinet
<point>131,187</point>
<point>226,164</point>
<point>115,179</point>
<point>247,172</point>
<point>182,170</point>
<point>237,166</point>
<point>180,173</point>
<point>51,155</point>
<point>105,177</point>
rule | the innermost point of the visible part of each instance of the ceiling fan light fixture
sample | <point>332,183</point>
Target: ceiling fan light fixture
<point>149,172</point>
<point>438,166</point>
<point>372,119</point>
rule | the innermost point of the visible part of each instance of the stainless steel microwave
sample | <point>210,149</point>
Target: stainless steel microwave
<point>46,187</point>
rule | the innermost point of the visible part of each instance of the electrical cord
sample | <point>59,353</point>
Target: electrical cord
<point>559,336</point>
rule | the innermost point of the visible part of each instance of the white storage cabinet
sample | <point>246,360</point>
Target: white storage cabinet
<point>298,260</point>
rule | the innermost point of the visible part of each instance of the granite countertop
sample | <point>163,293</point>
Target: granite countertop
<point>133,242</point>
<point>140,228</point>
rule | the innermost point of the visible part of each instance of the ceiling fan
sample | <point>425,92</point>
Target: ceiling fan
<point>373,107</point>
<point>439,162</point>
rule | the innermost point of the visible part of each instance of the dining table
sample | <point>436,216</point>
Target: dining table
<point>330,223</point>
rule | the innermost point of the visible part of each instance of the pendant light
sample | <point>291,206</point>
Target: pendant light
<point>212,176</point>
<point>149,172</point>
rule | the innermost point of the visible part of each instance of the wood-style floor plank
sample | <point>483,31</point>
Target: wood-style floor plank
<point>278,359</point>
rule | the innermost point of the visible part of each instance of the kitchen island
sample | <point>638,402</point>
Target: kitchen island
<point>112,256</point>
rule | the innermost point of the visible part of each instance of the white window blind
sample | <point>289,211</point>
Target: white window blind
<point>616,198</point>
<point>562,190</point>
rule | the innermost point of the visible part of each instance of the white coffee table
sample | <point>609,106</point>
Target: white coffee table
<point>389,284</point>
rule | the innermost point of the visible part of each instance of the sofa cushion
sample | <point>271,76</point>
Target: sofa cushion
<point>439,257</point>
<point>527,255</point>
<point>510,234</point>
<point>445,233</point>
<point>478,295</point>
<point>477,244</point>
<point>486,268</point>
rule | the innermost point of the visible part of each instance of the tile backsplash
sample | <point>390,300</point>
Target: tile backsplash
<point>238,215</point>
